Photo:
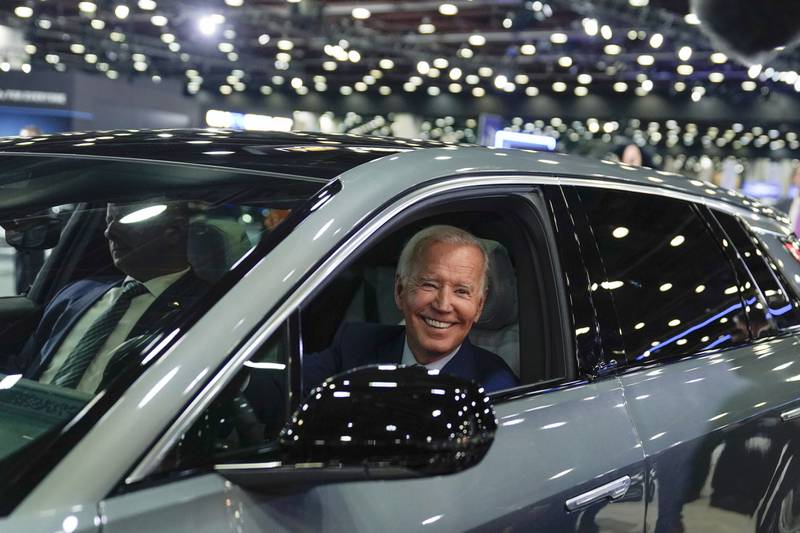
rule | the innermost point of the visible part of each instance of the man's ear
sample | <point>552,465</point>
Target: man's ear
<point>480,307</point>
<point>398,291</point>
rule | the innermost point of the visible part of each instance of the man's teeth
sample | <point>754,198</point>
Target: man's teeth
<point>436,324</point>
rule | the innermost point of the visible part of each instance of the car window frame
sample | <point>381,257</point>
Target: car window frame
<point>372,227</point>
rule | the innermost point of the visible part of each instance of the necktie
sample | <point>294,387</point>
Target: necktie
<point>69,375</point>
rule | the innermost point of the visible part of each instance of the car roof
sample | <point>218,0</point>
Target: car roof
<point>326,156</point>
<point>314,155</point>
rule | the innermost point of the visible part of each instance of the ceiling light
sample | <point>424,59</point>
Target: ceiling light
<point>565,61</point>
<point>559,86</point>
<point>354,56</point>
<point>558,38</point>
<point>612,49</point>
<point>478,92</point>
<point>97,24</point>
<point>207,25</point>
<point>638,3</point>
<point>361,13</point>
<point>718,58</point>
<point>581,91</point>
<point>656,40</point>
<point>605,32</point>
<point>500,81</point>
<point>147,5</point>
<point>448,9</point>
<point>455,73</point>
<point>590,26</point>
<point>454,87</point>
<point>754,70</point>
<point>77,48</point>
<point>426,28</point>
<point>620,86</point>
<point>285,44</point>
<point>434,90</point>
<point>158,20</point>
<point>234,3</point>
<point>685,53</point>
<point>748,85</point>
<point>691,18</point>
<point>527,49</point>
<point>521,79</point>
<point>87,7</point>
<point>423,67</point>
<point>645,60</point>
<point>466,53</point>
<point>679,86</point>
<point>385,90</point>
<point>441,63</point>
<point>584,78</point>
<point>716,77</point>
<point>685,70</point>
<point>360,86</point>
<point>23,12</point>
<point>531,91</point>
<point>485,72</point>
<point>472,79</point>
<point>647,85</point>
<point>476,39</point>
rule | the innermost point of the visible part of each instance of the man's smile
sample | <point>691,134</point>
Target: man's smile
<point>438,324</point>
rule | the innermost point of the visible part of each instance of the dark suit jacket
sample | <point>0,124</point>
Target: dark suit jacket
<point>72,301</point>
<point>358,344</point>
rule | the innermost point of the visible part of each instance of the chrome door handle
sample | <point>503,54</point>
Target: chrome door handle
<point>612,491</point>
<point>790,414</point>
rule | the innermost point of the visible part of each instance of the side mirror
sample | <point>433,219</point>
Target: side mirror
<point>378,422</point>
<point>40,233</point>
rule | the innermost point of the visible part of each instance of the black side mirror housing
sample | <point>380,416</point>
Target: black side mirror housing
<point>40,233</point>
<point>378,422</point>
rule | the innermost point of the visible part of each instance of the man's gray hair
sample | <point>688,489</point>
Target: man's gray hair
<point>415,248</point>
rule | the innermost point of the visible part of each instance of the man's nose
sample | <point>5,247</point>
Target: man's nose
<point>442,301</point>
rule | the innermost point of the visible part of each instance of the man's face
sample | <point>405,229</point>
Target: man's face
<point>442,300</point>
<point>141,245</point>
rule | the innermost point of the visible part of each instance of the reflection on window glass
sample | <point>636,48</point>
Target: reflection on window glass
<point>774,310</point>
<point>247,415</point>
<point>673,288</point>
<point>784,258</point>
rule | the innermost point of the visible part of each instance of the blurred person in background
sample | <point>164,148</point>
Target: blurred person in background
<point>791,205</point>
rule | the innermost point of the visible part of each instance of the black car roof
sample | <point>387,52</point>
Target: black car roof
<point>315,155</point>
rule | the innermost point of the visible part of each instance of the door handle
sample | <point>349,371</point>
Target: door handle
<point>612,491</point>
<point>790,414</point>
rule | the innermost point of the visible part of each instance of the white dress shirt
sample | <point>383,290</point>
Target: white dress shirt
<point>410,360</point>
<point>94,373</point>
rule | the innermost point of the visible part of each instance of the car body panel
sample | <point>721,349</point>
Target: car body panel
<point>545,434</point>
<point>713,434</point>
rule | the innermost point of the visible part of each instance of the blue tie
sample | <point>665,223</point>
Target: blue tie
<point>71,372</point>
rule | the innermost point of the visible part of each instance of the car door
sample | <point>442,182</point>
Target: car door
<point>565,455</point>
<point>709,401</point>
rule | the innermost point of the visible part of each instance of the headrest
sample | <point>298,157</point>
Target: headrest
<point>214,245</point>
<point>500,308</point>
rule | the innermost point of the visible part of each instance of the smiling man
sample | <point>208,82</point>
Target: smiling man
<point>440,287</point>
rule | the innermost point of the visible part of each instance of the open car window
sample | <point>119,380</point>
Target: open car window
<point>125,260</point>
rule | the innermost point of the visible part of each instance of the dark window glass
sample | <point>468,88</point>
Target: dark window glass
<point>774,311</point>
<point>247,415</point>
<point>674,290</point>
<point>783,259</point>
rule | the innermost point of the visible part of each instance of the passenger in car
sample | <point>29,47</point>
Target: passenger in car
<point>440,288</point>
<point>75,341</point>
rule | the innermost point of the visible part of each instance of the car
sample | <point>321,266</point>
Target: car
<point>651,320</point>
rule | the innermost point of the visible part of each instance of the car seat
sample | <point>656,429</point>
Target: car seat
<point>214,245</point>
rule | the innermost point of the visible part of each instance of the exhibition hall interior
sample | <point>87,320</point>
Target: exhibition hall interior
<point>413,265</point>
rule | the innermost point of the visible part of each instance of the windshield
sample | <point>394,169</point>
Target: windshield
<point>99,258</point>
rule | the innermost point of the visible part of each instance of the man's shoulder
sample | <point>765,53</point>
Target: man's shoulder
<point>83,286</point>
<point>488,361</point>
